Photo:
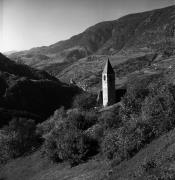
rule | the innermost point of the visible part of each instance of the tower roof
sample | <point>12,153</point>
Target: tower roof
<point>108,68</point>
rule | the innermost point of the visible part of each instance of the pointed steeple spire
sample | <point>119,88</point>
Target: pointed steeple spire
<point>108,68</point>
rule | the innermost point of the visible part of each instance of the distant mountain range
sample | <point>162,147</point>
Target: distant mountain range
<point>82,56</point>
<point>9,52</point>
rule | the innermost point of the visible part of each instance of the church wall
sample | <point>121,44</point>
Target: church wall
<point>108,85</point>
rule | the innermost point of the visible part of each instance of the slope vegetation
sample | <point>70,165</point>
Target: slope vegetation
<point>27,92</point>
<point>154,161</point>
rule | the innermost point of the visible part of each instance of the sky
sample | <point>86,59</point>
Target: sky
<point>31,23</point>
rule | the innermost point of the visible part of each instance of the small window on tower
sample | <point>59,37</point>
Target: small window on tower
<point>104,77</point>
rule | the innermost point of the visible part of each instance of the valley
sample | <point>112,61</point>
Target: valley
<point>49,94</point>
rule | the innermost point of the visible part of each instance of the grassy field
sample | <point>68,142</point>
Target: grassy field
<point>35,167</point>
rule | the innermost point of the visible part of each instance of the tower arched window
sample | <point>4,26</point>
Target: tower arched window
<point>104,77</point>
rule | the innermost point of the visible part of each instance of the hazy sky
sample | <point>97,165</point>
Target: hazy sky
<point>30,23</point>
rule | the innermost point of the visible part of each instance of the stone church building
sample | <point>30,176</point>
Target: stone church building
<point>108,85</point>
<point>109,95</point>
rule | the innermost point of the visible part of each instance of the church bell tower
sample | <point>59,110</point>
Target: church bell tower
<point>108,85</point>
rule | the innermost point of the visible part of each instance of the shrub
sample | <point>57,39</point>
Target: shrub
<point>4,147</point>
<point>151,96</point>
<point>91,117</point>
<point>110,119</point>
<point>77,120</point>
<point>85,101</point>
<point>126,141</point>
<point>113,145</point>
<point>96,132</point>
<point>137,133</point>
<point>137,91</point>
<point>18,138</point>
<point>58,118</point>
<point>147,111</point>
<point>69,145</point>
<point>158,108</point>
<point>82,120</point>
<point>66,141</point>
<point>3,86</point>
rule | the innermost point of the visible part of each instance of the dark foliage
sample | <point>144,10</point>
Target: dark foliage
<point>7,115</point>
<point>110,119</point>
<point>113,145</point>
<point>82,120</point>
<point>3,86</point>
<point>69,145</point>
<point>85,101</point>
<point>65,138</point>
<point>147,111</point>
<point>39,97</point>
<point>119,93</point>
<point>18,138</point>
<point>56,120</point>
<point>30,93</point>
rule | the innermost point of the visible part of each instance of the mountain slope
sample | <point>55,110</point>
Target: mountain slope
<point>82,57</point>
<point>141,32</point>
<point>9,66</point>
<point>27,92</point>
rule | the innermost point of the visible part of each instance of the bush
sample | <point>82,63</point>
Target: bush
<point>5,147</point>
<point>138,133</point>
<point>85,101</point>
<point>18,138</point>
<point>147,111</point>
<point>152,97</point>
<point>110,119</point>
<point>113,145</point>
<point>96,132</point>
<point>82,120</point>
<point>58,118</point>
<point>65,139</point>
<point>69,145</point>
<point>137,91</point>
<point>126,141</point>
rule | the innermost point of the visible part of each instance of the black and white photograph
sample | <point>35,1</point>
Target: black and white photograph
<point>87,89</point>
